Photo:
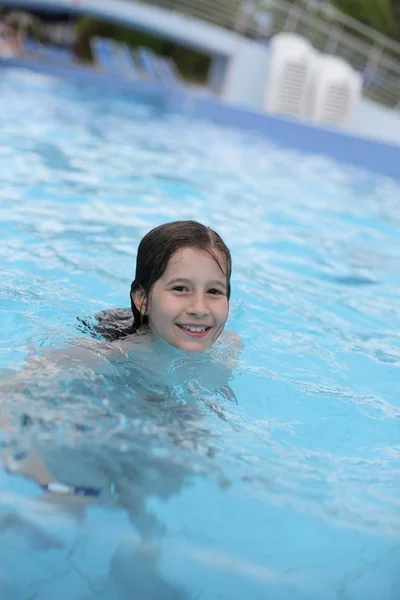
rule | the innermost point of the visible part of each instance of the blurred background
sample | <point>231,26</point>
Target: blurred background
<point>365,36</point>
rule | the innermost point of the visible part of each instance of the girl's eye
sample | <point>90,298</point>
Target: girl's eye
<point>179,288</point>
<point>215,292</point>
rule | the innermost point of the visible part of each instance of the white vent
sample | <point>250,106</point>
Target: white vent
<point>335,91</point>
<point>291,64</point>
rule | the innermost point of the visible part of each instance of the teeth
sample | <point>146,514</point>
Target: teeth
<point>194,329</point>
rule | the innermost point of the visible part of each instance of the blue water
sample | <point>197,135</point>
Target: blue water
<point>293,493</point>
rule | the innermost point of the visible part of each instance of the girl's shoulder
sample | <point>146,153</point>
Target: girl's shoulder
<point>233,339</point>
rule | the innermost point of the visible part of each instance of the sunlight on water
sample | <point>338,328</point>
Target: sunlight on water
<point>292,492</point>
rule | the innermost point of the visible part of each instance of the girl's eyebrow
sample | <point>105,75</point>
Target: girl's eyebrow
<point>185,280</point>
<point>217,282</point>
<point>180,279</point>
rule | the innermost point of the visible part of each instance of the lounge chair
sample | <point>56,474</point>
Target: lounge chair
<point>102,50</point>
<point>148,62</point>
<point>124,61</point>
<point>168,72</point>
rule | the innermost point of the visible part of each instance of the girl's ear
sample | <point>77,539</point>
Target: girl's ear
<point>140,301</point>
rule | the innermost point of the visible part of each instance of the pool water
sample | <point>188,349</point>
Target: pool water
<point>293,492</point>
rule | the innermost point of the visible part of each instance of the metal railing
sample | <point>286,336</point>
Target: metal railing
<point>219,12</point>
<point>376,56</point>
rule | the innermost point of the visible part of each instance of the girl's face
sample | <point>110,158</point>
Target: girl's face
<point>188,305</point>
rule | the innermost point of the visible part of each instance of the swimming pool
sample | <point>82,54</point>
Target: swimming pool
<point>293,493</point>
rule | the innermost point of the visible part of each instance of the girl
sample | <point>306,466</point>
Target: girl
<point>180,304</point>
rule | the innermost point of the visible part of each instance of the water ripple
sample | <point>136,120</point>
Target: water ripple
<point>312,446</point>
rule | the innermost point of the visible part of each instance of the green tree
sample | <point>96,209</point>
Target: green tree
<point>378,14</point>
<point>396,11</point>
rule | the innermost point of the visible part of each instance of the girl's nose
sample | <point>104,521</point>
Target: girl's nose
<point>198,307</point>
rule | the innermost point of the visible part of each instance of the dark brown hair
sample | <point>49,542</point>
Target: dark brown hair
<point>161,243</point>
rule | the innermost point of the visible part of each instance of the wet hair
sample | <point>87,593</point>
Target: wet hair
<point>154,252</point>
<point>160,244</point>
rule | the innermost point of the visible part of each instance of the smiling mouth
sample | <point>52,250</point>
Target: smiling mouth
<point>194,330</point>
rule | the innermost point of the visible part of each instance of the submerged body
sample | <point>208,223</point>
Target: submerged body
<point>70,411</point>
